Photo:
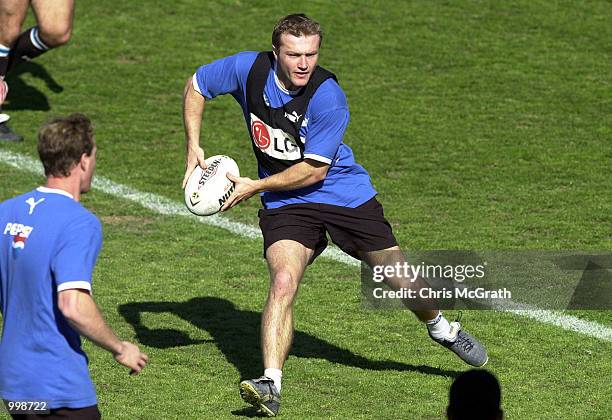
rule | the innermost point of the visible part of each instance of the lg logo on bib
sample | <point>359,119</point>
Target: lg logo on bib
<point>274,142</point>
<point>261,137</point>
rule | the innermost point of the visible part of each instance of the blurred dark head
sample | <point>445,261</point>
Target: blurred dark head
<point>475,395</point>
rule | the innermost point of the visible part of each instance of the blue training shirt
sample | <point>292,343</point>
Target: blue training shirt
<point>347,183</point>
<point>48,243</point>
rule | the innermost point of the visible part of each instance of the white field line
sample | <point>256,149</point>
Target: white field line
<point>165,206</point>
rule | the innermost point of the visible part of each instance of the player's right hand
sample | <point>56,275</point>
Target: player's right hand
<point>195,157</point>
<point>130,356</point>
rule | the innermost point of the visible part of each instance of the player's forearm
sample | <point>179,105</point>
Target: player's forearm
<point>85,317</point>
<point>99,333</point>
<point>193,108</point>
<point>301,175</point>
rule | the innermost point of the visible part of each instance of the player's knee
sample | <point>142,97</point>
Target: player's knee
<point>56,35</point>
<point>283,286</point>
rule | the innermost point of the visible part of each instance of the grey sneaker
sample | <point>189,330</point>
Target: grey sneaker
<point>262,394</point>
<point>464,345</point>
<point>6,134</point>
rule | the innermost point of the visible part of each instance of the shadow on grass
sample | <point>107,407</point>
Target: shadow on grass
<point>25,97</point>
<point>236,333</point>
<point>248,412</point>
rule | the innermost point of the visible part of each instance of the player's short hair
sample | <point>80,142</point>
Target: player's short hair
<point>62,142</point>
<point>297,24</point>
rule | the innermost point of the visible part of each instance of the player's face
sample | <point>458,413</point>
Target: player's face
<point>296,59</point>
<point>90,166</point>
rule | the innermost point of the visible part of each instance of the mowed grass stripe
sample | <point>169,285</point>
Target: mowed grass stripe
<point>165,206</point>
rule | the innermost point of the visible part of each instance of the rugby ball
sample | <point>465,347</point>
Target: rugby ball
<point>208,189</point>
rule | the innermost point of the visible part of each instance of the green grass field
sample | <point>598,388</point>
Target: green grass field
<point>484,125</point>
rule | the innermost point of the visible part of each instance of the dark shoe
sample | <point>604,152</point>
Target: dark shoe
<point>6,134</point>
<point>262,394</point>
<point>464,345</point>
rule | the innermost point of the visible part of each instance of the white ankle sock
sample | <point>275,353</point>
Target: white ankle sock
<point>439,327</point>
<point>275,375</point>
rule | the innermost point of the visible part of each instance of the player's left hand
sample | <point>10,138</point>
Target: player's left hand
<point>244,189</point>
<point>130,356</point>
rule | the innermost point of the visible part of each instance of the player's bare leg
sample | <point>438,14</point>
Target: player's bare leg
<point>54,19</point>
<point>287,261</point>
<point>54,28</point>
<point>449,335</point>
<point>12,15</point>
<point>390,257</point>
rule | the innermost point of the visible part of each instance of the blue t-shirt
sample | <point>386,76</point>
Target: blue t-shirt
<point>48,243</point>
<point>347,183</point>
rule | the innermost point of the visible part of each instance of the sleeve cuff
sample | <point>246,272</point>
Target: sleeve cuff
<point>318,158</point>
<point>194,82</point>
<point>75,285</point>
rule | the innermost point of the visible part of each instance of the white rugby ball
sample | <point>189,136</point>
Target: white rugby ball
<point>208,189</point>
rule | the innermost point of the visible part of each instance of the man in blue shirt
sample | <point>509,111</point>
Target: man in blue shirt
<point>49,244</point>
<point>309,182</point>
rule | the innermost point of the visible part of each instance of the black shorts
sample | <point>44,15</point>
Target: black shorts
<point>86,413</point>
<point>354,230</point>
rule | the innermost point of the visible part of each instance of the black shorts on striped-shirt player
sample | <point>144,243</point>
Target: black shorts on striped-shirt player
<point>354,230</point>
